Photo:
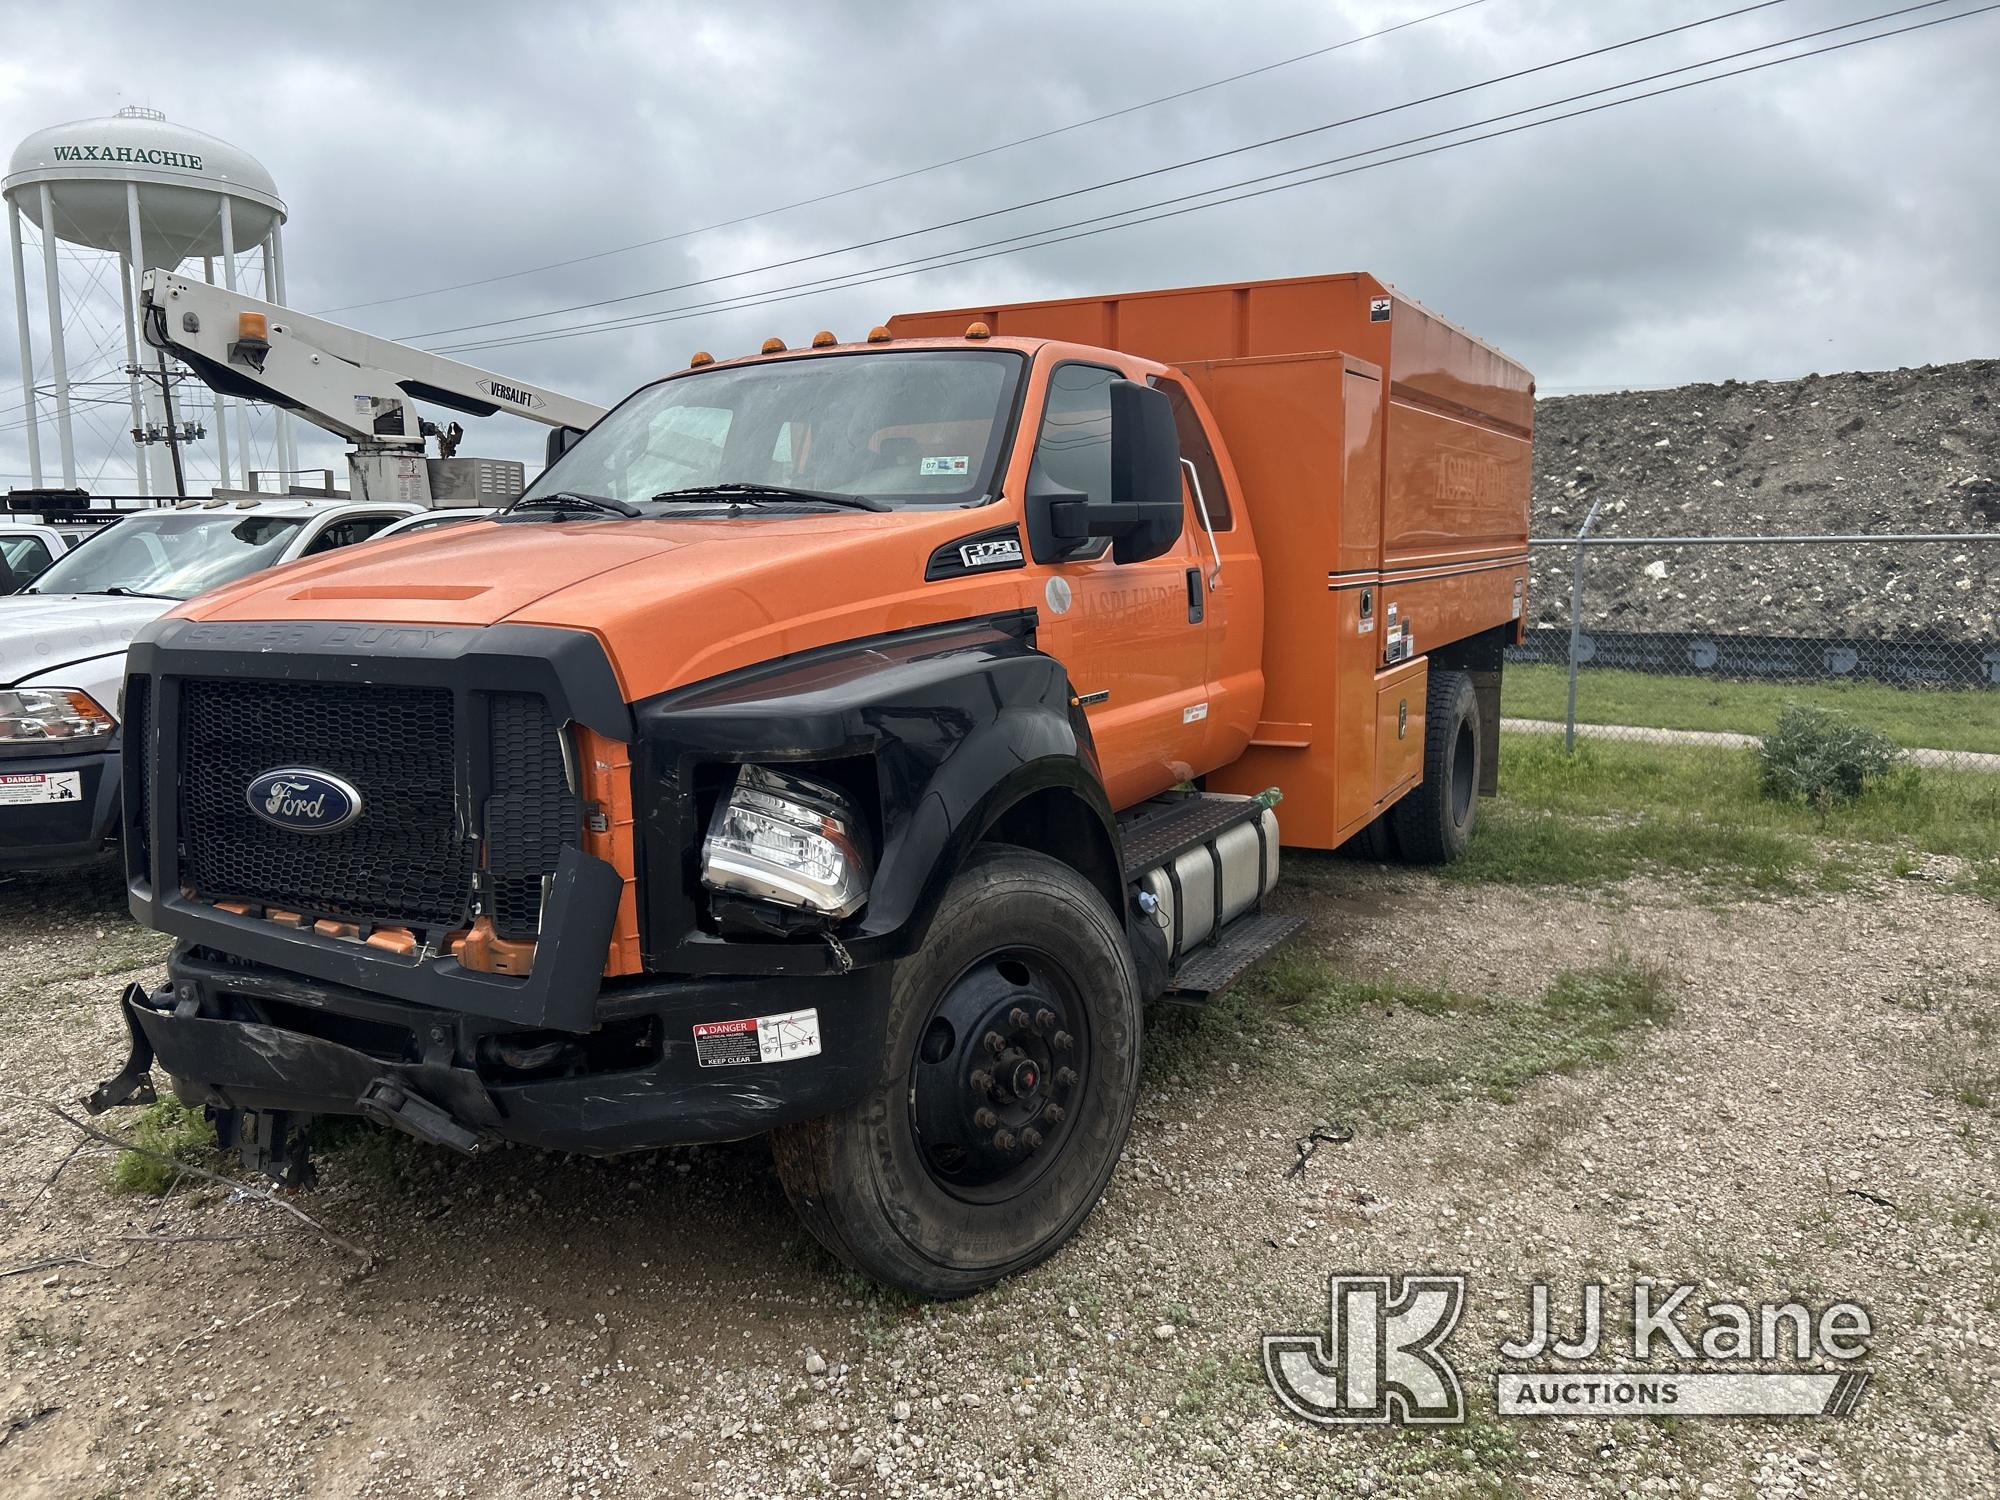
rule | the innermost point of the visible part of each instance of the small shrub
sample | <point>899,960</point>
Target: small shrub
<point>1822,759</point>
<point>175,1131</point>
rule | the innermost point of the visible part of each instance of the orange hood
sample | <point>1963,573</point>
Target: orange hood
<point>673,601</point>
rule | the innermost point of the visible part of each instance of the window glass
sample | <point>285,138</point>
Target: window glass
<point>902,427</point>
<point>346,533</point>
<point>1197,450</point>
<point>172,556</point>
<point>1074,449</point>
<point>26,555</point>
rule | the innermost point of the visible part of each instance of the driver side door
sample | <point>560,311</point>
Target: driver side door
<point>1133,636</point>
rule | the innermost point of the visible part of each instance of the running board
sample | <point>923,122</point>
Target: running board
<point>1211,969</point>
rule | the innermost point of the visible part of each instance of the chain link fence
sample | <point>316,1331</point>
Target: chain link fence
<point>1704,641</point>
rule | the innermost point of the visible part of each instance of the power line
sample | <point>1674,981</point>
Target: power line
<point>1194,161</point>
<point>969,254</point>
<point>936,166</point>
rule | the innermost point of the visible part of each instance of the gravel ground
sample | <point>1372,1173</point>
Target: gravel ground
<point>1913,450</point>
<point>658,1325</point>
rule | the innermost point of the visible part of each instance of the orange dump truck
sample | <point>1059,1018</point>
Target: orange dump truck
<point>844,742</point>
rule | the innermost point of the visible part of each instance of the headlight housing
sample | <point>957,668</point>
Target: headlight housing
<point>35,716</point>
<point>787,840</point>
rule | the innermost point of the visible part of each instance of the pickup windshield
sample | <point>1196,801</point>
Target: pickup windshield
<point>900,428</point>
<point>169,556</point>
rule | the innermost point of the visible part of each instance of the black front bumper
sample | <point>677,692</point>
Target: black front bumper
<point>52,835</point>
<point>237,1037</point>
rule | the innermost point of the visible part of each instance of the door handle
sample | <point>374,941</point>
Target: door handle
<point>1194,592</point>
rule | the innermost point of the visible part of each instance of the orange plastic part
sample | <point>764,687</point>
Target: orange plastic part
<point>487,952</point>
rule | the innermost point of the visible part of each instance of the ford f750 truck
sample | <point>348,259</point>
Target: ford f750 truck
<point>845,742</point>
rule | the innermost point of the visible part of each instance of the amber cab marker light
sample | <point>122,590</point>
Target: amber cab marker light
<point>979,331</point>
<point>824,339</point>
<point>773,345</point>
<point>701,357</point>
<point>252,325</point>
<point>878,335</point>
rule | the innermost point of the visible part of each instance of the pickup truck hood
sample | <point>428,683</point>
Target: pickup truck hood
<point>673,600</point>
<point>42,632</point>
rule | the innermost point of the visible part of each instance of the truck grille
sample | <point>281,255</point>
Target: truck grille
<point>404,861</point>
<point>531,813</point>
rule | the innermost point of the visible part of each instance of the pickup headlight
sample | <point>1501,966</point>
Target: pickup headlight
<point>787,840</point>
<point>39,715</point>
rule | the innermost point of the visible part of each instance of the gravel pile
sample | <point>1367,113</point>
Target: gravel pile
<point>1913,450</point>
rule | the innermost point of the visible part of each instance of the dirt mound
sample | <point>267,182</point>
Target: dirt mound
<point>1914,450</point>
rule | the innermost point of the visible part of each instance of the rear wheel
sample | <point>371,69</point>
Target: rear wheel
<point>1433,823</point>
<point>1012,1076</point>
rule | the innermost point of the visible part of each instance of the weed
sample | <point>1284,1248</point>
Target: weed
<point>175,1131</point>
<point>1822,759</point>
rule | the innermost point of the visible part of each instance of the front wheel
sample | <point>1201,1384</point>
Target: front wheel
<point>1012,1075</point>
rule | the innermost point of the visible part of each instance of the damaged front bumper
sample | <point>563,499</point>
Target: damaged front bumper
<point>251,1042</point>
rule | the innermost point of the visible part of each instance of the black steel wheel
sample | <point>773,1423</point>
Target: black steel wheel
<point>1010,1081</point>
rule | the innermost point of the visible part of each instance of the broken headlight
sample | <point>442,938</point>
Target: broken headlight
<point>34,716</point>
<point>787,840</point>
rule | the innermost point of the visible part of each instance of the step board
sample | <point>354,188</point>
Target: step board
<point>1212,969</point>
<point>1156,837</point>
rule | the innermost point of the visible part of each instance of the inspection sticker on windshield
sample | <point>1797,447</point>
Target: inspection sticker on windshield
<point>781,1038</point>
<point>955,464</point>
<point>41,786</point>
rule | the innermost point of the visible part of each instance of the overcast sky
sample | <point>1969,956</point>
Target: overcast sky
<point>1833,214</point>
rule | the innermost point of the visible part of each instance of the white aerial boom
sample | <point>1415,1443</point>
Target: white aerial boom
<point>353,384</point>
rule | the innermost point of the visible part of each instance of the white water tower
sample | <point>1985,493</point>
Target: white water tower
<point>155,195</point>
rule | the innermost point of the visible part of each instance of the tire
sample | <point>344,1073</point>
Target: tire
<point>911,1185</point>
<point>1433,822</point>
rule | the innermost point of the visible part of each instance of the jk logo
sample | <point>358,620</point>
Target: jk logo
<point>1380,1360</point>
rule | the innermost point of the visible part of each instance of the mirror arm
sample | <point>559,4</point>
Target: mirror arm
<point>1201,509</point>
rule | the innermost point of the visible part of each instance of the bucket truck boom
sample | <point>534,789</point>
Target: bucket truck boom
<point>355,385</point>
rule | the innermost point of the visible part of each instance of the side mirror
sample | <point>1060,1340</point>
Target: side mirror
<point>561,440</point>
<point>1145,470</point>
<point>1143,514</point>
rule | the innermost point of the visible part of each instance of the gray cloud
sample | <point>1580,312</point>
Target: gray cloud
<point>1830,215</point>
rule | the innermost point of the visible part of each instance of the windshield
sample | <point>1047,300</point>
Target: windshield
<point>173,556</point>
<point>907,428</point>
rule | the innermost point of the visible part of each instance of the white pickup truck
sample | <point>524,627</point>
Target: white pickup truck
<point>63,640</point>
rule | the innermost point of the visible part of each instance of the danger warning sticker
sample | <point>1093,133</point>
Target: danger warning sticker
<point>781,1038</point>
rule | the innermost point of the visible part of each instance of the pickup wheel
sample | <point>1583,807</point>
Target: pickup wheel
<point>1433,822</point>
<point>1011,1078</point>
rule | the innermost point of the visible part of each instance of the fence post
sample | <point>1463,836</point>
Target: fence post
<point>1576,625</point>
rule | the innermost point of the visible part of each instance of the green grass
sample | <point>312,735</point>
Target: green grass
<point>1937,718</point>
<point>175,1131</point>
<point>1605,812</point>
<point>1408,1049</point>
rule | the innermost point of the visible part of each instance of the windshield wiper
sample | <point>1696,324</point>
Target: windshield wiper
<point>118,591</point>
<point>562,500</point>
<point>779,491</point>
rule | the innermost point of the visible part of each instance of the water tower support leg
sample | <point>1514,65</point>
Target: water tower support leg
<point>229,281</point>
<point>133,377</point>
<point>274,249</point>
<point>34,429</point>
<point>58,364</point>
<point>162,479</point>
<point>221,431</point>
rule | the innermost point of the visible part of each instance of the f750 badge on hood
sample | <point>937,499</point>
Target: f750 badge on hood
<point>302,800</point>
<point>992,552</point>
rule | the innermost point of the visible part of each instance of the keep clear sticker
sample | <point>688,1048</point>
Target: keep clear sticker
<point>957,463</point>
<point>754,1039</point>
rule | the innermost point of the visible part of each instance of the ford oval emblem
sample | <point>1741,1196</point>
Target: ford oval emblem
<point>303,800</point>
